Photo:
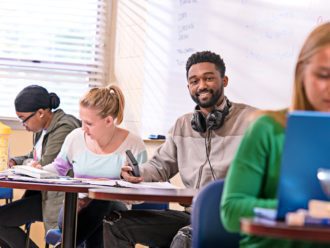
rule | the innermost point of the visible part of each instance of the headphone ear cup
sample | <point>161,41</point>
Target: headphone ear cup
<point>198,122</point>
<point>214,120</point>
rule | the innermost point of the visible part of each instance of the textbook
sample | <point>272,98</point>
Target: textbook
<point>33,172</point>
<point>267,213</point>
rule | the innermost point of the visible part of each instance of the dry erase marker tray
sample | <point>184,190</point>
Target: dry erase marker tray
<point>157,136</point>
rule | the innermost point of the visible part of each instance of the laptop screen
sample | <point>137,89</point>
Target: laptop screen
<point>306,149</point>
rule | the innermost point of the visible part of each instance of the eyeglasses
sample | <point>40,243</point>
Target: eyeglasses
<point>28,118</point>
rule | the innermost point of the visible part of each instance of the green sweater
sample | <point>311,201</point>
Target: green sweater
<point>252,181</point>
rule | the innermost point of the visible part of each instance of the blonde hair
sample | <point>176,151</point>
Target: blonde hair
<point>108,100</point>
<point>317,39</point>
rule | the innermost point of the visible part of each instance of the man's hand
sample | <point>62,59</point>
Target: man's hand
<point>126,174</point>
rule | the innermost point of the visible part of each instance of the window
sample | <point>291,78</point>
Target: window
<point>59,44</point>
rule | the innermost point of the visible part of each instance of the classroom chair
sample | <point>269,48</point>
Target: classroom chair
<point>7,194</point>
<point>54,236</point>
<point>207,229</point>
<point>150,206</point>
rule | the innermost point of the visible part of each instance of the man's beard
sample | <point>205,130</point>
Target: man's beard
<point>211,102</point>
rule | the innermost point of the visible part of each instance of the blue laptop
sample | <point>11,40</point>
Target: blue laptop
<point>306,149</point>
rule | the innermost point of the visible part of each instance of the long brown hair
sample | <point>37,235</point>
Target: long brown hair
<point>318,39</point>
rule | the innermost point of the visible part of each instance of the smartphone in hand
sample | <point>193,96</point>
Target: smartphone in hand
<point>133,163</point>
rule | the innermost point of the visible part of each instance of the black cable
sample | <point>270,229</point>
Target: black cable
<point>208,151</point>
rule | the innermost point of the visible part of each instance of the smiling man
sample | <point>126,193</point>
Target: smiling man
<point>200,147</point>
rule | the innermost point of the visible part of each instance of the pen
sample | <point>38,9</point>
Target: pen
<point>34,154</point>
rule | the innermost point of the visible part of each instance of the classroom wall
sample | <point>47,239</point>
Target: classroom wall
<point>258,39</point>
<point>129,46</point>
<point>20,142</point>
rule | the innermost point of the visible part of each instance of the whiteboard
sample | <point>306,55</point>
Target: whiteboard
<point>258,40</point>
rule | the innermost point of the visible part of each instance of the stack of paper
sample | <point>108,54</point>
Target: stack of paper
<point>318,213</point>
<point>122,183</point>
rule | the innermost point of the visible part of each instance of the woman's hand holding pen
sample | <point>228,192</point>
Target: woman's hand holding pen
<point>126,174</point>
<point>35,164</point>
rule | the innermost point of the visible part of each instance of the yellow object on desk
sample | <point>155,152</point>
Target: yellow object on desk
<point>5,131</point>
<point>319,209</point>
<point>317,214</point>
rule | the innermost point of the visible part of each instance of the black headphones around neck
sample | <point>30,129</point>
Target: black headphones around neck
<point>212,121</point>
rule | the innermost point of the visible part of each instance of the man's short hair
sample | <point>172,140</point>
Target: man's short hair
<point>206,56</point>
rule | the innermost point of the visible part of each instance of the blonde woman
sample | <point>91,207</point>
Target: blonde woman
<point>254,174</point>
<point>97,150</point>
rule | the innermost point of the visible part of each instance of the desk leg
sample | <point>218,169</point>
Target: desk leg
<point>70,220</point>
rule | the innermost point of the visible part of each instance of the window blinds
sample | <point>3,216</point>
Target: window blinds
<point>59,44</point>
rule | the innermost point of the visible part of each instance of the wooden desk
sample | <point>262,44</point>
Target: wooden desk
<point>183,196</point>
<point>275,229</point>
<point>70,204</point>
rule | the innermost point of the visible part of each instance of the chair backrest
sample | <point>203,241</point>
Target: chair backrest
<point>53,236</point>
<point>6,193</point>
<point>207,229</point>
<point>150,206</point>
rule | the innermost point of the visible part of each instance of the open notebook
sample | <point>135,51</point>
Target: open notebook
<point>28,170</point>
<point>306,149</point>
